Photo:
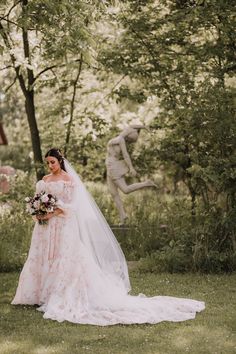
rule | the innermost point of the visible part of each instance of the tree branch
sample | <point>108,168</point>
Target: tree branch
<point>10,22</point>
<point>10,10</point>
<point>44,70</point>
<point>72,105</point>
<point>7,67</point>
<point>13,59</point>
<point>229,68</point>
<point>53,67</point>
<point>113,88</point>
<point>26,47</point>
<point>8,87</point>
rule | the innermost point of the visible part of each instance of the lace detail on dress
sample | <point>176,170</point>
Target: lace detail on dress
<point>62,189</point>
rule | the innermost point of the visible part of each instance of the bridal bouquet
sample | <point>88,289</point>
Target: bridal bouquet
<point>41,204</point>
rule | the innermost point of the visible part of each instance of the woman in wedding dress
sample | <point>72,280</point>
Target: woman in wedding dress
<point>76,270</point>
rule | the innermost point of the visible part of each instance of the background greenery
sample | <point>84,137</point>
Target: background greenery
<point>162,234</point>
<point>73,73</point>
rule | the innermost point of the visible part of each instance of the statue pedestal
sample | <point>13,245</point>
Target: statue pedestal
<point>121,229</point>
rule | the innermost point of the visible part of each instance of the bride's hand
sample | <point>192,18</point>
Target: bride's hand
<point>45,217</point>
<point>49,215</point>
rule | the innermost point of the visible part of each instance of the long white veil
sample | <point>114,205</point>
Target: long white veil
<point>96,234</point>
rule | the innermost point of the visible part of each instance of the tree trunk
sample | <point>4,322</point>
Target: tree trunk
<point>35,139</point>
<point>193,198</point>
<point>28,92</point>
<point>72,106</point>
<point>29,104</point>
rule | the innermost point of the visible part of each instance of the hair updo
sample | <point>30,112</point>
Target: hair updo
<point>58,155</point>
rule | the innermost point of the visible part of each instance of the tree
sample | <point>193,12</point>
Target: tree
<point>52,34</point>
<point>183,53</point>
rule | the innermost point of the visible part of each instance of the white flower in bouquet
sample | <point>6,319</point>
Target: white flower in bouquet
<point>44,198</point>
<point>30,210</point>
<point>36,204</point>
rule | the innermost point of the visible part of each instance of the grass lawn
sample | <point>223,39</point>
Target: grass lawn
<point>24,331</point>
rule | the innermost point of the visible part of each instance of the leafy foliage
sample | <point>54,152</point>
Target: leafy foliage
<point>162,234</point>
<point>167,64</point>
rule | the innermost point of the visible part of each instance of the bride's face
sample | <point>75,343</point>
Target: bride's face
<point>53,164</point>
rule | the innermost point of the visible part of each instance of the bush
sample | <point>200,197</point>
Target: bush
<point>171,258</point>
<point>15,225</point>
<point>205,243</point>
<point>17,156</point>
<point>164,235</point>
<point>16,228</point>
<point>161,233</point>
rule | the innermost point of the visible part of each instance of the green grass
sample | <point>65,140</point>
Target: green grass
<point>24,331</point>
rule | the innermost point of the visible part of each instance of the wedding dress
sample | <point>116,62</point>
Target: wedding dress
<point>76,270</point>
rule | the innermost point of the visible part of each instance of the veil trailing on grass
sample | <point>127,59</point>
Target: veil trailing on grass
<point>96,234</point>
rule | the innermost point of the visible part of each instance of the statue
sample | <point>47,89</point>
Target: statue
<point>118,164</point>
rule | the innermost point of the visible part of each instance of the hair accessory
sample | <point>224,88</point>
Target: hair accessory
<point>60,154</point>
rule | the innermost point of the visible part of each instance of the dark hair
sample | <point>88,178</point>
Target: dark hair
<point>54,152</point>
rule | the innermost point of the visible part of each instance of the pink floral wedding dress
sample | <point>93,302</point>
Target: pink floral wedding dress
<point>69,281</point>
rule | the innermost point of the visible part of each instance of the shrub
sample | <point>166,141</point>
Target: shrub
<point>161,232</point>
<point>15,225</point>
<point>16,228</point>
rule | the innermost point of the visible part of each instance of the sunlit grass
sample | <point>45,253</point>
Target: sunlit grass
<point>24,331</point>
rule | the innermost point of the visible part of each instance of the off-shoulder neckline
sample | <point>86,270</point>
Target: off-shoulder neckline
<point>61,180</point>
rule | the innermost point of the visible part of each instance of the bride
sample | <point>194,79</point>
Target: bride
<point>76,270</point>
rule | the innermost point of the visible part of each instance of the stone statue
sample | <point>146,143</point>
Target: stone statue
<point>118,164</point>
